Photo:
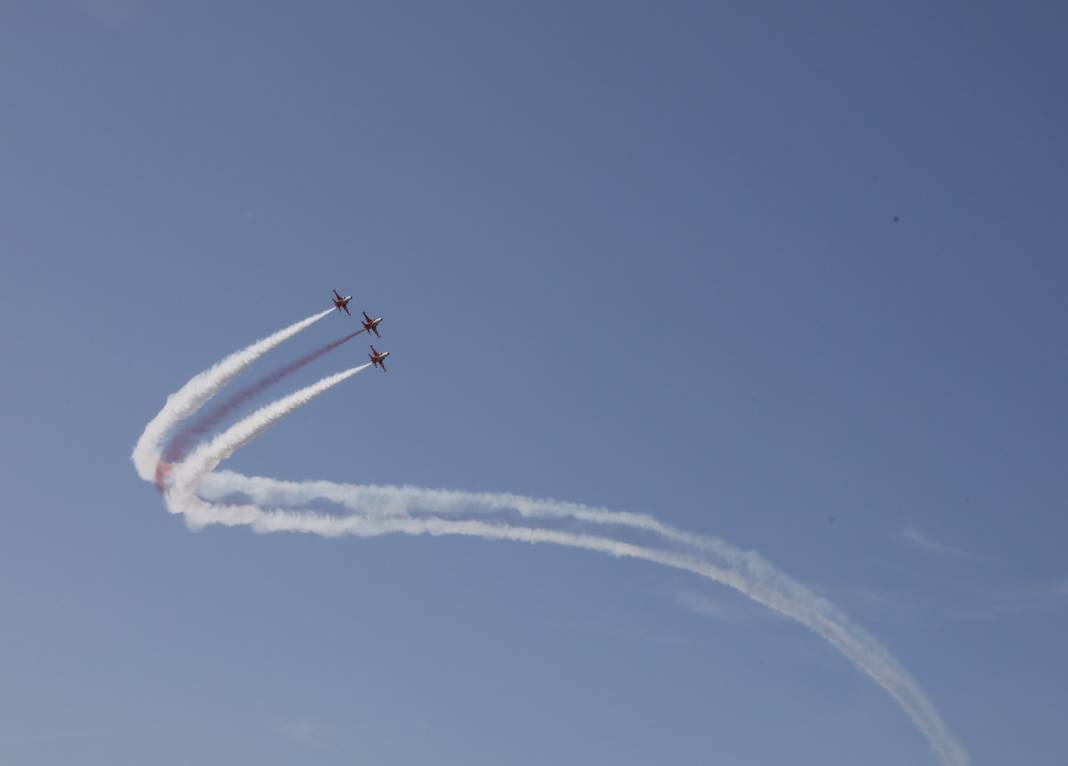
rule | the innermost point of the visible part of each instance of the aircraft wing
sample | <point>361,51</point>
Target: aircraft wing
<point>347,310</point>
<point>383,363</point>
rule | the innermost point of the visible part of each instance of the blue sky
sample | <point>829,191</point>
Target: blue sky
<point>633,257</point>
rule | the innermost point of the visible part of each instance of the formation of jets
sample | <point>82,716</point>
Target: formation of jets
<point>378,358</point>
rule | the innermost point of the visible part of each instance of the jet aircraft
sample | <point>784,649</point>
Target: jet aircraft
<point>342,303</point>
<point>378,358</point>
<point>371,325</point>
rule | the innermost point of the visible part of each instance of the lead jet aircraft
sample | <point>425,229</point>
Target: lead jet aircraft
<point>378,358</point>
<point>371,325</point>
<point>342,303</point>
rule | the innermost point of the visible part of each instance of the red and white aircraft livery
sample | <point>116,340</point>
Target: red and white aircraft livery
<point>371,325</point>
<point>342,303</point>
<point>378,358</point>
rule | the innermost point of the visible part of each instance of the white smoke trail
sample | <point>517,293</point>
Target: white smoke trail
<point>190,397</point>
<point>385,500</point>
<point>386,510</point>
<point>203,459</point>
<point>382,510</point>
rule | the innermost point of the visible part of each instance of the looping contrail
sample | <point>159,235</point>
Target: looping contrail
<point>178,446</point>
<point>380,510</point>
<point>192,396</point>
<point>369,511</point>
<point>204,458</point>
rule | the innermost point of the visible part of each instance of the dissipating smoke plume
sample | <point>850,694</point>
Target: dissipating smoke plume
<point>264,504</point>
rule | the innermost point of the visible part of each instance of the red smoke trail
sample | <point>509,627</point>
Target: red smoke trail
<point>179,445</point>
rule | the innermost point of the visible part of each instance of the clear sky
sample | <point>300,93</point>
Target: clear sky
<point>790,276</point>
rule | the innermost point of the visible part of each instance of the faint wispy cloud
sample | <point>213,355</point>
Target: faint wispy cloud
<point>19,739</point>
<point>1009,602</point>
<point>112,13</point>
<point>699,604</point>
<point>311,732</point>
<point>917,540</point>
<point>875,604</point>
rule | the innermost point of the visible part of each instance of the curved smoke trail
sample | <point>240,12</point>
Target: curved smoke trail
<point>178,446</point>
<point>392,509</point>
<point>376,511</point>
<point>795,602</point>
<point>204,458</point>
<point>192,396</point>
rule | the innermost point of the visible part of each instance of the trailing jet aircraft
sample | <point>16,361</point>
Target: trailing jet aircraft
<point>378,358</point>
<point>342,303</point>
<point>371,325</point>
